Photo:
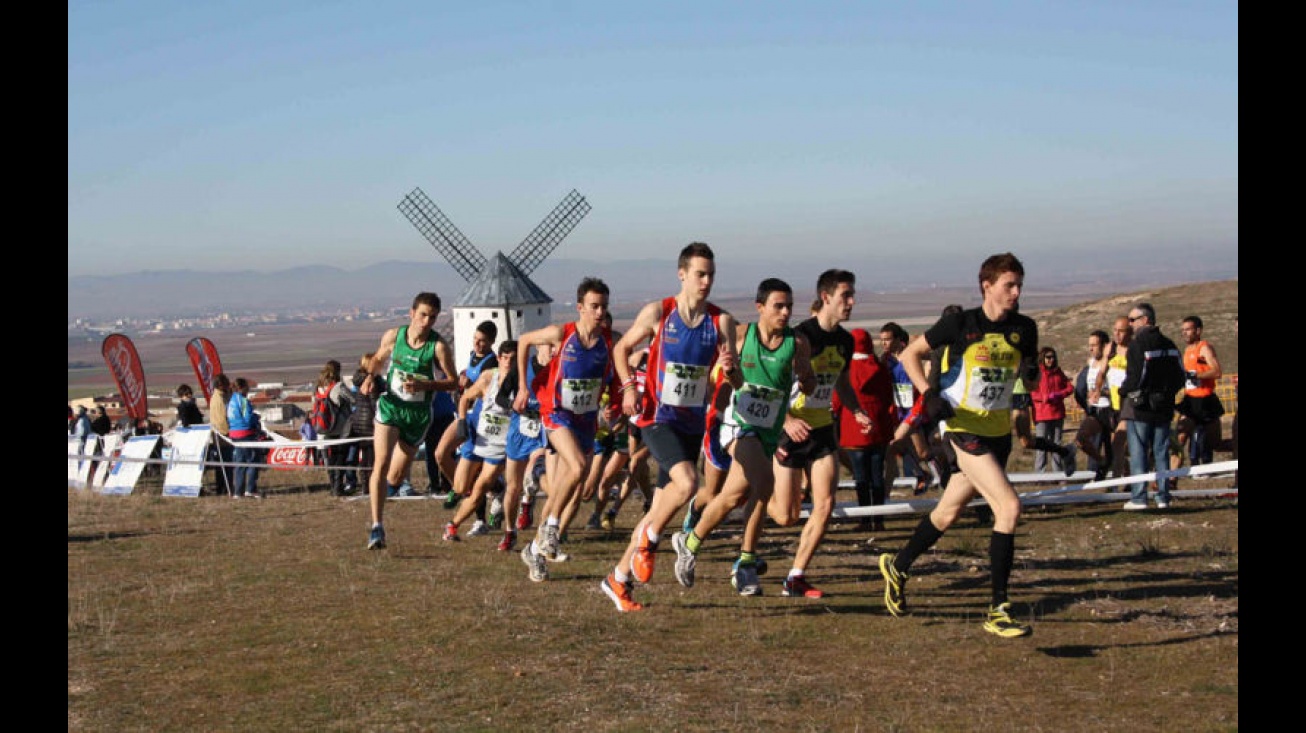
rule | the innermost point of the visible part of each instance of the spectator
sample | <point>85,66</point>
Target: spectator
<point>1094,434</point>
<point>82,427</point>
<point>101,423</point>
<point>1049,399</point>
<point>221,451</point>
<point>243,428</point>
<point>188,412</point>
<point>361,453</point>
<point>72,419</point>
<point>866,448</point>
<point>1200,410</point>
<point>1153,375</point>
<point>330,388</point>
<point>1122,334</point>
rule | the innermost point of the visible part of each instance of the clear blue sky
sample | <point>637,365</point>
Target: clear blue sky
<point>264,135</point>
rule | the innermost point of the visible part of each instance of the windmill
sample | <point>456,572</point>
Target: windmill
<point>499,288</point>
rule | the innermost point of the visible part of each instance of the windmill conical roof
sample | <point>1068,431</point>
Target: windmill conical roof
<point>501,282</point>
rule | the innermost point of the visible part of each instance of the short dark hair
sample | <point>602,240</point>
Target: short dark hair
<point>591,285</point>
<point>829,280</point>
<point>428,298</point>
<point>692,250</point>
<point>771,285</point>
<point>1197,320</point>
<point>1101,336</point>
<point>899,333</point>
<point>951,310</point>
<point>508,346</point>
<point>184,390</point>
<point>488,328</point>
<point>995,265</point>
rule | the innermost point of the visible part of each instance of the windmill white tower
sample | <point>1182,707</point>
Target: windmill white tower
<point>498,289</point>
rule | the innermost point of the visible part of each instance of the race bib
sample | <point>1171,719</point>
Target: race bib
<point>580,395</point>
<point>820,396</point>
<point>493,428</point>
<point>529,425</point>
<point>397,379</point>
<point>684,385</point>
<point>904,395</point>
<point>758,405</point>
<point>989,388</point>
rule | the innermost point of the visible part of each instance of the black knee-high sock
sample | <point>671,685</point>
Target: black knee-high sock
<point>1002,552</point>
<point>922,539</point>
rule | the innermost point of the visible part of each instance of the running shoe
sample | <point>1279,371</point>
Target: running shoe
<point>593,522</point>
<point>376,540</point>
<point>895,586</point>
<point>645,557</point>
<point>1134,506</point>
<point>744,579</point>
<point>547,539</point>
<point>406,489</point>
<point>451,500</point>
<point>759,565</point>
<point>797,586</point>
<point>478,528</point>
<point>620,594</point>
<point>495,513</point>
<point>1002,624</point>
<point>508,542</point>
<point>691,519</point>
<point>451,533</point>
<point>922,485</point>
<point>1068,460</point>
<point>608,521</point>
<point>539,572</point>
<point>253,495</point>
<point>686,561</point>
<point>524,516</point>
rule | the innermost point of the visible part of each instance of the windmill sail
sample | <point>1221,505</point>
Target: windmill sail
<point>466,259</point>
<point>539,244</point>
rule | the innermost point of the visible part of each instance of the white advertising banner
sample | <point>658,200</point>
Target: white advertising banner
<point>110,444</point>
<point>186,461</point>
<point>74,461</point>
<point>127,467</point>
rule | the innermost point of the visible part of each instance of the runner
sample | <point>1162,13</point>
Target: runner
<point>487,434</point>
<point>687,336</point>
<point>569,406</point>
<point>417,362</point>
<point>989,348</point>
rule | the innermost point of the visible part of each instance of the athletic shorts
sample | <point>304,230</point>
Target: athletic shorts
<point>409,418</point>
<point>1021,401</point>
<point>977,445</point>
<point>714,451</point>
<point>820,442</point>
<point>520,447</point>
<point>584,427</point>
<point>1201,409</point>
<point>669,446</point>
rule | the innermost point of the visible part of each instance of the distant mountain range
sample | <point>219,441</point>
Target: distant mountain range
<point>191,293</point>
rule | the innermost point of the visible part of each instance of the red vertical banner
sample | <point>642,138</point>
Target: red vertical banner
<point>204,360</point>
<point>125,364</point>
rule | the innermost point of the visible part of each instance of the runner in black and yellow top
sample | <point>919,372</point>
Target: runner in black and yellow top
<point>809,445</point>
<point>989,348</point>
<point>772,359</point>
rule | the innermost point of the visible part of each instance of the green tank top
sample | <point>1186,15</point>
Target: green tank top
<point>761,402</point>
<point>405,361</point>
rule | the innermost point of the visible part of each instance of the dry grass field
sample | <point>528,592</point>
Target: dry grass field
<point>213,614</point>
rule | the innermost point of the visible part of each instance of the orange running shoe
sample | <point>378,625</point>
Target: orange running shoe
<point>620,594</point>
<point>641,563</point>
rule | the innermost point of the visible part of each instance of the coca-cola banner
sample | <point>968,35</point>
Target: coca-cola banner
<point>125,364</point>
<point>204,359</point>
<point>285,455</point>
